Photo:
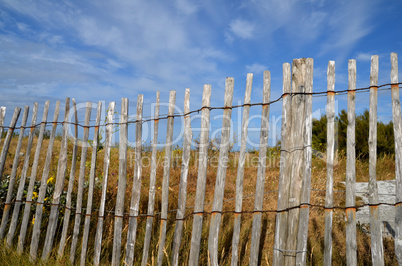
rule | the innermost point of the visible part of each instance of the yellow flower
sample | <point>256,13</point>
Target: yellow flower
<point>33,220</point>
<point>50,180</point>
<point>34,195</point>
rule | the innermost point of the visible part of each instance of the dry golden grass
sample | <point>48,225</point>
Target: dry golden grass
<point>385,171</point>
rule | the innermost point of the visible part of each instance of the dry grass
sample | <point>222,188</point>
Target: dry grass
<point>385,170</point>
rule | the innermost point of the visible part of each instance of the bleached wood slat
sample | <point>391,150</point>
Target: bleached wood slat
<point>152,180</point>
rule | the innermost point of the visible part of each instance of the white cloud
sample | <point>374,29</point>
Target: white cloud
<point>256,68</point>
<point>242,28</point>
<point>186,7</point>
<point>363,57</point>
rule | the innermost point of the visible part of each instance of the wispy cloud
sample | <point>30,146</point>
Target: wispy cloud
<point>242,28</point>
<point>256,68</point>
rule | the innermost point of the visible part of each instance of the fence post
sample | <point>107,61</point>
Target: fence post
<point>13,175</point>
<point>260,183</point>
<point>377,249</point>
<point>201,178</point>
<point>2,115</point>
<point>7,140</point>
<point>18,199</point>
<point>396,118</point>
<point>302,236</point>
<point>119,210</point>
<point>67,213</point>
<point>81,179</point>
<point>42,190</point>
<point>136,190</point>
<point>91,180</point>
<point>58,187</point>
<point>166,174</point>
<point>351,245</point>
<point>240,170</point>
<point>152,180</point>
<point>29,198</point>
<point>296,157</point>
<point>221,174</point>
<point>329,204</point>
<point>183,180</point>
<point>101,213</point>
<point>284,171</point>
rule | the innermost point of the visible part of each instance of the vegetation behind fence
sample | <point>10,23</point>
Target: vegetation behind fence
<point>175,205</point>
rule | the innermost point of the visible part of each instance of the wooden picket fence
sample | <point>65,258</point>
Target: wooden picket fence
<point>293,205</point>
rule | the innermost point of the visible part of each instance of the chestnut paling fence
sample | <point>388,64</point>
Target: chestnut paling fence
<point>23,212</point>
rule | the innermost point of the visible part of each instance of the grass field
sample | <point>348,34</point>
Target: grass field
<point>385,171</point>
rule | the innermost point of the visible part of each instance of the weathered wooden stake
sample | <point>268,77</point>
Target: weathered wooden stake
<point>201,179</point>
<point>2,115</point>
<point>296,158</point>
<point>67,213</point>
<point>136,190</point>
<point>92,173</point>
<point>58,187</point>
<point>81,179</point>
<point>240,171</point>
<point>187,137</point>
<point>166,174</point>
<point>121,190</point>
<point>284,170</point>
<point>351,245</point>
<point>397,120</point>
<point>329,202</point>
<point>221,174</point>
<point>377,250</point>
<point>101,212</point>
<point>152,180</point>
<point>260,183</point>
<point>7,140</point>
<point>302,236</point>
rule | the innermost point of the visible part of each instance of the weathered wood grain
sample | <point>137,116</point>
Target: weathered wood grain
<point>67,212</point>
<point>58,187</point>
<point>42,189</point>
<point>201,178</point>
<point>377,250</point>
<point>2,115</point>
<point>284,170</point>
<point>152,180</point>
<point>329,201</point>
<point>166,175</point>
<point>187,137</point>
<point>92,172</point>
<point>7,140</point>
<point>81,180</point>
<point>121,190</point>
<point>351,245</point>
<point>240,170</point>
<point>10,189</point>
<point>224,145</point>
<point>260,183</point>
<point>101,212</point>
<point>20,192</point>
<point>136,190</point>
<point>34,170</point>
<point>397,121</point>
<point>302,236</point>
<point>296,158</point>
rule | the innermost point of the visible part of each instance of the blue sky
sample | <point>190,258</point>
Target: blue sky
<point>105,50</point>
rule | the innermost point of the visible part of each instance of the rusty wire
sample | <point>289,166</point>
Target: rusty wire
<point>163,117</point>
